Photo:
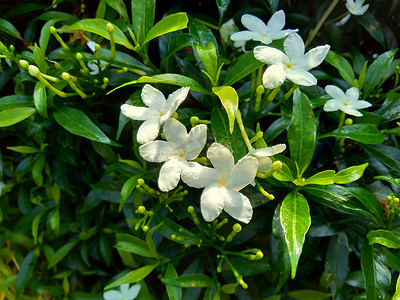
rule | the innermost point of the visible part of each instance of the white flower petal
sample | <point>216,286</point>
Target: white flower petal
<point>253,23</point>
<point>315,57</point>
<point>197,138</point>
<point>124,288</point>
<point>153,98</point>
<point>335,92</point>
<point>352,93</point>
<point>274,76</point>
<point>264,164</point>
<point>361,104</point>
<point>344,20</point>
<point>157,151</point>
<point>362,10</point>
<point>91,45</point>
<point>222,159</point>
<point>277,35</point>
<point>294,47</point>
<point>169,176</point>
<point>226,30</point>
<point>243,36</point>
<point>175,99</point>
<point>198,176</point>
<point>351,111</point>
<point>277,22</point>
<point>175,133</point>
<point>279,148</point>
<point>212,201</point>
<point>137,112</point>
<point>332,105</point>
<point>112,295</point>
<point>301,77</point>
<point>148,131</point>
<point>242,173</point>
<point>133,292</point>
<point>269,55</point>
<point>238,206</point>
<point>262,152</point>
<point>265,39</point>
<point>94,68</point>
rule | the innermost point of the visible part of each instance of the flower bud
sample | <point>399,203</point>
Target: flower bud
<point>141,209</point>
<point>190,209</point>
<point>34,71</point>
<point>260,89</point>
<point>145,228</point>
<point>237,227</point>
<point>109,27</point>
<point>277,165</point>
<point>66,76</point>
<point>23,63</point>
<point>348,122</point>
<point>97,47</point>
<point>53,30</point>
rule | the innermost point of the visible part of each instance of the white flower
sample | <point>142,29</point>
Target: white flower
<point>356,7</point>
<point>293,64</point>
<point>226,29</point>
<point>347,103</point>
<point>158,111</point>
<point>125,293</point>
<point>258,31</point>
<point>344,20</point>
<point>223,183</point>
<point>262,156</point>
<point>93,66</point>
<point>179,148</point>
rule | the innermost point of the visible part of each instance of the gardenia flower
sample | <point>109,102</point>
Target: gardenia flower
<point>175,152</point>
<point>258,31</point>
<point>347,103</point>
<point>125,293</point>
<point>293,64</point>
<point>92,66</point>
<point>223,183</point>
<point>356,7</point>
<point>262,156</point>
<point>158,111</point>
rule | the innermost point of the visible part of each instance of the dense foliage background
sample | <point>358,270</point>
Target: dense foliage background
<point>81,211</point>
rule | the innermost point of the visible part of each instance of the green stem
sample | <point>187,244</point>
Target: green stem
<point>273,93</point>
<point>290,92</point>
<point>212,26</point>
<point>243,131</point>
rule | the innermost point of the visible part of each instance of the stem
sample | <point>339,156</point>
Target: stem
<point>314,31</point>
<point>243,131</point>
<point>290,92</point>
<point>212,26</point>
<point>341,120</point>
<point>273,93</point>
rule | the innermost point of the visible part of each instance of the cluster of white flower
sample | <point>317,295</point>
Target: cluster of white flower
<point>124,293</point>
<point>222,183</point>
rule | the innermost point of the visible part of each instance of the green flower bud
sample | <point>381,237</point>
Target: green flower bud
<point>66,76</point>
<point>141,209</point>
<point>109,27</point>
<point>237,227</point>
<point>53,30</point>
<point>190,209</point>
<point>34,71</point>
<point>348,122</point>
<point>260,89</point>
<point>23,63</point>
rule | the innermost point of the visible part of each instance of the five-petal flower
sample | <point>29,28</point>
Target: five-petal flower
<point>356,7</point>
<point>124,293</point>
<point>293,64</point>
<point>158,111</point>
<point>223,183</point>
<point>258,31</point>
<point>262,156</point>
<point>175,152</point>
<point>347,103</point>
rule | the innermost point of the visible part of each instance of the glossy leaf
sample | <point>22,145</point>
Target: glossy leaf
<point>301,132</point>
<point>39,58</point>
<point>174,79</point>
<point>35,226</point>
<point>363,133</point>
<point>387,155</point>
<point>170,23</point>
<point>10,29</point>
<point>76,122</point>
<point>174,292</point>
<point>132,277</point>
<point>25,272</point>
<point>396,295</point>
<point>221,131</point>
<point>376,274</point>
<point>202,34</point>
<point>40,98</point>
<point>14,101</point>
<point>222,7</point>
<point>284,174</point>
<point>24,149</point>
<point>395,181</point>
<point>181,41</point>
<point>350,174</point>
<point>190,280</point>
<point>133,244</point>
<point>343,66</point>
<point>245,65</point>
<point>127,189</point>
<point>12,116</point>
<point>274,5</point>
<point>61,253</point>
<point>230,101</point>
<point>308,295</point>
<point>150,242</point>
<point>295,220</point>
<point>322,178</point>
<point>142,18</point>
<point>120,7</point>
<point>209,58</point>
<point>387,238</point>
<point>373,26</point>
<point>98,26</point>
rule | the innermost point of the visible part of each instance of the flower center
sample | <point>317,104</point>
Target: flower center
<point>161,113</point>
<point>345,104</point>
<point>181,154</point>
<point>222,182</point>
<point>263,34</point>
<point>289,65</point>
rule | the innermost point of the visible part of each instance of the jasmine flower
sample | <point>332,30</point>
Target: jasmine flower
<point>226,30</point>
<point>293,64</point>
<point>158,111</point>
<point>125,293</point>
<point>262,156</point>
<point>356,7</point>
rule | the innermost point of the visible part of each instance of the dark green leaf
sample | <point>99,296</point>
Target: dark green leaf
<point>343,66</point>
<point>24,149</point>
<point>177,43</point>
<point>150,242</point>
<point>387,155</point>
<point>385,238</point>
<point>395,181</point>
<point>132,277</point>
<point>61,253</point>
<point>142,18</point>
<point>174,79</point>
<point>127,189</point>
<point>25,272</point>
<point>295,220</point>
<point>170,227</point>
<point>222,7</point>
<point>373,26</point>
<point>40,98</point>
<point>120,7</point>
<point>190,280</point>
<point>202,34</point>
<point>133,244</point>
<point>14,101</point>
<point>12,116</point>
<point>170,23</point>
<point>308,295</point>
<point>245,65</point>
<point>174,292</point>
<point>9,28</point>
<point>76,122</point>
<point>274,5</point>
<point>301,132</point>
<point>364,133</point>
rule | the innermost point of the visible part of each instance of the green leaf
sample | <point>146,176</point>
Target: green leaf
<point>376,71</point>
<point>37,169</point>
<point>221,132</point>
<point>40,98</point>
<point>120,7</point>
<point>190,280</point>
<point>337,262</point>
<point>127,189</point>
<point>343,66</point>
<point>376,274</point>
<point>387,238</point>
<point>208,56</point>
<point>24,149</point>
<point>395,181</point>
<point>274,5</point>
<point>350,174</point>
<point>133,244</point>
<point>323,178</point>
<point>170,227</point>
<point>174,292</point>
<point>132,277</point>
<point>12,116</point>
<point>39,57</point>
<point>230,101</point>
<point>142,18</point>
<point>370,202</point>
<point>202,34</point>
<point>222,7</point>
<point>177,43</point>
<point>174,79</point>
<point>373,26</point>
<point>308,295</point>
<point>170,23</point>
<point>295,220</point>
<point>245,65</point>
<point>229,288</point>
<point>150,242</point>
<point>98,26</point>
<point>25,272</point>
<point>387,155</point>
<point>61,253</point>
<point>284,174</point>
<point>14,101</point>
<point>301,132</point>
<point>396,295</point>
<point>76,122</point>
<point>35,226</point>
<point>9,28</point>
<point>363,133</point>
